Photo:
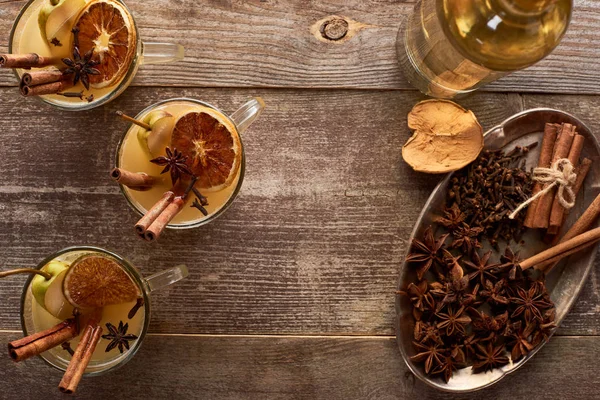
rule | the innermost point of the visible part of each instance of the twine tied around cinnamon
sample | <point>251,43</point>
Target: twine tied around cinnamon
<point>561,174</point>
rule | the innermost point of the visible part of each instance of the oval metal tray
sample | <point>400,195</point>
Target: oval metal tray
<point>564,282</point>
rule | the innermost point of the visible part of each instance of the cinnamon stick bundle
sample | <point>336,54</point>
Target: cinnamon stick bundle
<point>47,88</point>
<point>545,161</point>
<point>561,150</point>
<point>144,223</point>
<point>155,229</point>
<point>27,61</point>
<point>139,181</point>
<point>35,78</point>
<point>36,344</point>
<point>81,358</point>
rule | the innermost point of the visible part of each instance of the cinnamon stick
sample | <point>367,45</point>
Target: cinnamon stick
<point>561,150</point>
<point>582,171</point>
<point>584,222</point>
<point>139,181</point>
<point>46,88</point>
<point>159,224</point>
<point>34,78</point>
<point>545,161</point>
<point>31,60</point>
<point>562,250</point>
<point>81,358</point>
<point>558,211</point>
<point>144,223</point>
<point>37,343</point>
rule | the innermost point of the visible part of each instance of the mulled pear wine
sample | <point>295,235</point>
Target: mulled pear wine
<point>85,310</point>
<point>73,52</point>
<point>180,164</point>
<point>79,54</point>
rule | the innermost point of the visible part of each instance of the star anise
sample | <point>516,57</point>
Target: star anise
<point>426,252</point>
<point>449,292</point>
<point>426,332</point>
<point>417,314</point>
<point>446,368</point>
<point>457,353</point>
<point>431,354</point>
<point>488,328</point>
<point>452,219</point>
<point>546,328</point>
<point>453,321</point>
<point>530,303</point>
<point>469,343</point>
<point>480,267</point>
<point>540,286</point>
<point>494,293</point>
<point>470,298</point>
<point>520,340</point>
<point>489,357</point>
<point>174,162</point>
<point>509,262</point>
<point>451,261</point>
<point>419,296</point>
<point>80,67</point>
<point>118,337</point>
<point>466,238</point>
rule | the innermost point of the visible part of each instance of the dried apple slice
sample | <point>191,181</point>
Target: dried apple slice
<point>95,281</point>
<point>212,146</point>
<point>447,137</point>
<point>107,27</point>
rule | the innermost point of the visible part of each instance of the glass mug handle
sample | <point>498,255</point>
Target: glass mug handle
<point>159,53</point>
<point>247,114</point>
<point>166,278</point>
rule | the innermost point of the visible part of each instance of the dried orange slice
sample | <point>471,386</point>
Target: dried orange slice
<point>107,27</point>
<point>212,146</point>
<point>95,281</point>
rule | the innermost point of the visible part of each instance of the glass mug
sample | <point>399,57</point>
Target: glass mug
<point>145,53</point>
<point>239,120</point>
<point>31,312</point>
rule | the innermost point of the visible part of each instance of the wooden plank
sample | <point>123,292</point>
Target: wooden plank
<point>186,367</point>
<point>270,44</point>
<point>312,245</point>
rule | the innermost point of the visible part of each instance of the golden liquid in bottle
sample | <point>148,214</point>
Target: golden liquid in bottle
<point>451,47</point>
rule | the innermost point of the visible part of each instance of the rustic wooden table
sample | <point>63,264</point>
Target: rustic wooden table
<point>291,292</point>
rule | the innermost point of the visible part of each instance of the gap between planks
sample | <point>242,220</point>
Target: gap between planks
<point>485,89</point>
<point>207,335</point>
<point>358,337</point>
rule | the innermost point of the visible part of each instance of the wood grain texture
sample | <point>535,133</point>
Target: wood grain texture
<point>312,245</point>
<point>298,368</point>
<point>268,43</point>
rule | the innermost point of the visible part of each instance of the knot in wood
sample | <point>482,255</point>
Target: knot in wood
<point>334,29</point>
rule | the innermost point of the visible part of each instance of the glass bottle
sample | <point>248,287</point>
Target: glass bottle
<point>452,47</point>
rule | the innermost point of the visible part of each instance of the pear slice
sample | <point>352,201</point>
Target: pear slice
<point>158,138</point>
<point>39,284</point>
<point>60,20</point>
<point>55,301</point>
<point>45,10</point>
